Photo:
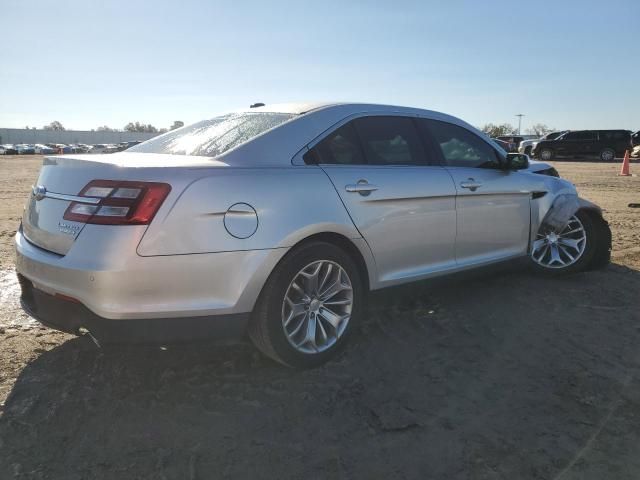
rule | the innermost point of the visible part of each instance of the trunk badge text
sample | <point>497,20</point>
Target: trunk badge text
<point>68,229</point>
<point>39,192</point>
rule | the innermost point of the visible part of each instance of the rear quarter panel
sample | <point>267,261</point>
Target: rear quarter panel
<point>291,203</point>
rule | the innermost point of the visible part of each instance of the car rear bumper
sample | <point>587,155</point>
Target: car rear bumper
<point>122,294</point>
<point>71,317</point>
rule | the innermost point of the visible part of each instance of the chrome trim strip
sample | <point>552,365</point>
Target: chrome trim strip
<point>73,198</point>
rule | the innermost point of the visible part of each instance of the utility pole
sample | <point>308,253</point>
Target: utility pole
<point>520,115</point>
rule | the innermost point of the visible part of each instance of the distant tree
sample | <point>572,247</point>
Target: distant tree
<point>55,125</point>
<point>140,127</point>
<point>104,128</point>
<point>177,124</point>
<point>163,130</point>
<point>539,129</point>
<point>496,130</point>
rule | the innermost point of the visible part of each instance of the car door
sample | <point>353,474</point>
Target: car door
<point>577,143</point>
<point>403,207</point>
<point>492,205</point>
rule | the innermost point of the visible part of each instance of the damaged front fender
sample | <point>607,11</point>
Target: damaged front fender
<point>557,214</point>
<point>564,207</point>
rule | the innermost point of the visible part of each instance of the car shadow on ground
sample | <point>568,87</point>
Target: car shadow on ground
<point>506,375</point>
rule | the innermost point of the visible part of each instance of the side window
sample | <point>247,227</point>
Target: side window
<point>390,141</point>
<point>339,148</point>
<point>620,135</point>
<point>583,135</point>
<point>459,146</point>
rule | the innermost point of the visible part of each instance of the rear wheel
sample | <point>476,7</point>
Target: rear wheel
<point>309,306</point>
<point>546,154</point>
<point>607,155</point>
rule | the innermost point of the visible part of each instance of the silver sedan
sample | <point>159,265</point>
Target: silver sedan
<point>278,221</point>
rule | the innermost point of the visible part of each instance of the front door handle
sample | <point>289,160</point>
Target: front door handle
<point>471,184</point>
<point>362,187</point>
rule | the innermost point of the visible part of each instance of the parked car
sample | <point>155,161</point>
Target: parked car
<point>79,148</point>
<point>604,144</point>
<point>24,149</point>
<point>278,220</point>
<point>122,146</point>
<point>111,148</point>
<point>103,148</point>
<point>514,140</point>
<point>635,139</point>
<point>82,148</point>
<point>526,146</point>
<point>8,149</point>
<point>97,148</point>
<point>62,148</point>
<point>506,146</point>
<point>41,149</point>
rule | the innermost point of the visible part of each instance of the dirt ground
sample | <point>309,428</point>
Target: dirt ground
<point>499,375</point>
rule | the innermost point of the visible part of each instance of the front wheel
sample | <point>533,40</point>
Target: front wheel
<point>546,154</point>
<point>309,306</point>
<point>607,155</point>
<point>580,245</point>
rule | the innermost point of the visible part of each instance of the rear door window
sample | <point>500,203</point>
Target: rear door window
<point>390,141</point>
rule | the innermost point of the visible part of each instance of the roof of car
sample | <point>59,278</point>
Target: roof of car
<point>295,108</point>
<point>300,108</point>
<point>280,144</point>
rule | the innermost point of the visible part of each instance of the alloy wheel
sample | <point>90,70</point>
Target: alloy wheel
<point>607,155</point>
<point>317,306</point>
<point>553,249</point>
<point>546,154</point>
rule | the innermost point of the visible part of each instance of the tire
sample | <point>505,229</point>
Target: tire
<point>602,256</point>
<point>546,154</point>
<point>607,155</point>
<point>527,151</point>
<point>267,323</point>
<point>594,254</point>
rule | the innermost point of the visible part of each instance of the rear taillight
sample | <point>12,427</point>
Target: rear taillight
<point>120,202</point>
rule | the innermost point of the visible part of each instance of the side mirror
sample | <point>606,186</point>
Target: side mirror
<point>516,161</point>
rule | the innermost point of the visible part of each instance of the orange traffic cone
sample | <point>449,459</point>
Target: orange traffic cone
<point>624,170</point>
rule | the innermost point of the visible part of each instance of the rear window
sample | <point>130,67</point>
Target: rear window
<point>613,135</point>
<point>213,137</point>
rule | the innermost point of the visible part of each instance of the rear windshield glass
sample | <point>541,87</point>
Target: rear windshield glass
<point>213,137</point>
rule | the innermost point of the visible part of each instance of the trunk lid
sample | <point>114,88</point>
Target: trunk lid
<point>63,177</point>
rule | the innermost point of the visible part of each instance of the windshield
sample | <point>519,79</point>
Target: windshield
<point>213,137</point>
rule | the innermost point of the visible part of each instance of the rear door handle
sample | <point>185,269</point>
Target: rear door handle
<point>471,184</point>
<point>362,187</point>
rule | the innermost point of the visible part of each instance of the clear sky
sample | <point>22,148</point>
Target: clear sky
<point>86,63</point>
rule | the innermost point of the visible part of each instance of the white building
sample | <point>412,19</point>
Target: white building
<point>33,136</point>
